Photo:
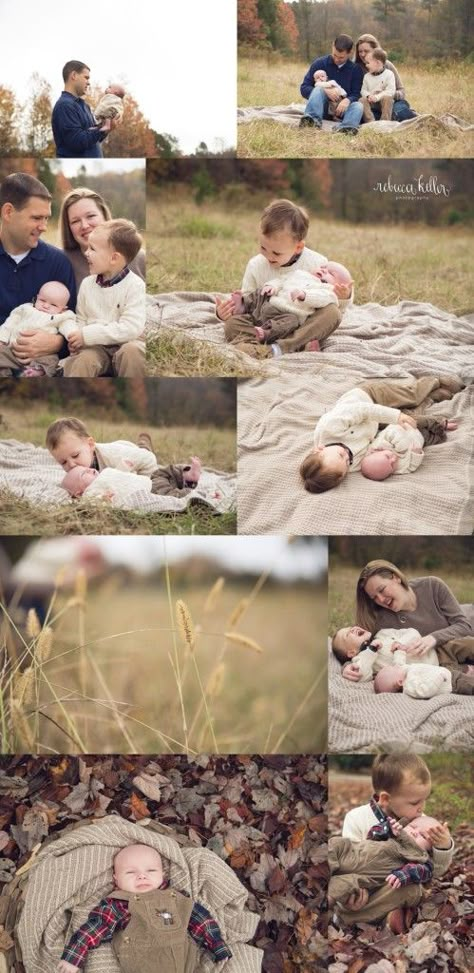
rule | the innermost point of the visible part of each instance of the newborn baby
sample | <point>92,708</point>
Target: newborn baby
<point>150,925</point>
<point>109,484</point>
<point>421,681</point>
<point>321,81</point>
<point>49,313</point>
<point>110,105</point>
<point>399,449</point>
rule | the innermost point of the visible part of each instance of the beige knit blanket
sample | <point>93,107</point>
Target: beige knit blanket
<point>75,872</point>
<point>31,473</point>
<point>411,337</point>
<point>291,114</point>
<point>276,420</point>
<point>361,721</point>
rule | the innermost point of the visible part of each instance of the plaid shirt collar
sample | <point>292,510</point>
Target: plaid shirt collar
<point>109,282</point>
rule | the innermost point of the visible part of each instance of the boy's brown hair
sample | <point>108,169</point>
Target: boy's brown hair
<point>389,769</point>
<point>282,214</point>
<point>123,237</point>
<point>315,478</point>
<point>379,54</point>
<point>57,429</point>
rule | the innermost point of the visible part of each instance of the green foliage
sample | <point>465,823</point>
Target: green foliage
<point>203,229</point>
<point>203,184</point>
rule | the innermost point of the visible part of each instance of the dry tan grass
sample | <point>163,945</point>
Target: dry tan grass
<point>122,677</point>
<point>432,89</point>
<point>389,263</point>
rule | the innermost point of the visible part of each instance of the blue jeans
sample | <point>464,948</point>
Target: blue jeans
<point>402,111</point>
<point>317,105</point>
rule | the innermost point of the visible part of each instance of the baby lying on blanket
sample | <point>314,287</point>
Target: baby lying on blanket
<point>398,449</point>
<point>49,313</point>
<point>420,682</point>
<point>110,105</point>
<point>284,303</point>
<point>71,446</point>
<point>151,926</point>
<point>115,485</point>
<point>363,656</point>
<point>394,855</point>
<point>321,81</point>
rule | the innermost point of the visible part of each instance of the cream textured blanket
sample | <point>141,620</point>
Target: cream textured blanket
<point>407,338</point>
<point>291,114</point>
<point>75,872</point>
<point>30,472</point>
<point>276,420</point>
<point>359,720</point>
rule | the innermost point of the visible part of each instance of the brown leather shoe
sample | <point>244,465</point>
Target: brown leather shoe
<point>400,920</point>
<point>144,441</point>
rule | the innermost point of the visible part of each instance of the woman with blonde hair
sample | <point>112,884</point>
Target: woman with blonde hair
<point>401,109</point>
<point>82,210</point>
<point>385,598</point>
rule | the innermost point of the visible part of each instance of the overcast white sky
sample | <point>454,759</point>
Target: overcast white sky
<point>70,167</point>
<point>178,60</point>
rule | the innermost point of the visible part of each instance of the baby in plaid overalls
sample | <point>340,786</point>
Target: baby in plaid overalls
<point>151,926</point>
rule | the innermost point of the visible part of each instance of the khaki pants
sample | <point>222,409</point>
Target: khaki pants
<point>9,363</point>
<point>168,481</point>
<point>239,332</point>
<point>453,656</point>
<point>381,903</point>
<point>407,393</point>
<point>125,361</point>
<point>386,108</point>
<point>156,938</point>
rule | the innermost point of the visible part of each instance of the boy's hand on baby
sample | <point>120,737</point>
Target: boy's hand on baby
<point>395,826</point>
<point>440,835</point>
<point>406,421</point>
<point>224,308</point>
<point>376,644</point>
<point>65,967</point>
<point>451,424</point>
<point>268,290</point>
<point>393,881</point>
<point>297,295</point>
<point>420,646</point>
<point>75,342</point>
<point>352,672</point>
<point>343,291</point>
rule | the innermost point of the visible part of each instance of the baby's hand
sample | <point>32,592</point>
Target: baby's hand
<point>420,645</point>
<point>65,967</point>
<point>375,644</point>
<point>224,308</point>
<point>352,672</point>
<point>298,295</point>
<point>450,425</point>
<point>75,342</point>
<point>268,290</point>
<point>439,835</point>
<point>406,421</point>
<point>395,646</point>
<point>393,881</point>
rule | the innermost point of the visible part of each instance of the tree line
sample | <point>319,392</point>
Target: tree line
<point>406,28</point>
<point>160,402</point>
<point>345,190</point>
<point>425,554</point>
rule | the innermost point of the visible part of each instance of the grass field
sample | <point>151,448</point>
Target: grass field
<point>125,674</point>
<point>342,587</point>
<point>215,446</point>
<point>436,89</point>
<point>207,248</point>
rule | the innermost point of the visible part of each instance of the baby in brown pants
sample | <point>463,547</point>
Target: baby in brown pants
<point>152,927</point>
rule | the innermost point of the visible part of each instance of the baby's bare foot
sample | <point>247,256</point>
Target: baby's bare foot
<point>313,345</point>
<point>260,333</point>
<point>195,469</point>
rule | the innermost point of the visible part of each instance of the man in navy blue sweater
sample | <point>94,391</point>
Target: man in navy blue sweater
<point>76,134</point>
<point>26,263</point>
<point>348,75</point>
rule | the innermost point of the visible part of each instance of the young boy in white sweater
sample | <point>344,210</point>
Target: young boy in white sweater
<point>401,785</point>
<point>111,301</point>
<point>378,88</point>
<point>283,230</point>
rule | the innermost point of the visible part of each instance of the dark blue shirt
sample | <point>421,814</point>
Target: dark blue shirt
<point>20,283</point>
<point>349,76</point>
<point>72,122</point>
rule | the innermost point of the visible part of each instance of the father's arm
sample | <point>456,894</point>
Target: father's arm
<point>307,83</point>
<point>77,138</point>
